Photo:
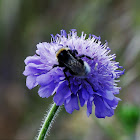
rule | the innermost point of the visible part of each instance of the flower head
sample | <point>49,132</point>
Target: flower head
<point>98,86</point>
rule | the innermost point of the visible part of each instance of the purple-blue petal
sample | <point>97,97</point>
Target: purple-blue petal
<point>31,81</point>
<point>102,109</point>
<point>68,99</point>
<point>72,104</point>
<point>46,91</point>
<point>74,88</point>
<point>89,87</point>
<point>45,79</point>
<point>106,94</point>
<point>82,101</point>
<point>62,92</point>
<point>32,59</point>
<point>113,103</point>
<point>63,33</point>
<point>85,94</point>
<point>32,68</point>
<point>89,108</point>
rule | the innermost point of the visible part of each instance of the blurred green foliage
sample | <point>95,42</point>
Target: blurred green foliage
<point>129,116</point>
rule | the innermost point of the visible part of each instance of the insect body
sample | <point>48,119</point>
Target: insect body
<point>74,64</point>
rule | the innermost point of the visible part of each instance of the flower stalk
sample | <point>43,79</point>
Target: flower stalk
<point>48,120</point>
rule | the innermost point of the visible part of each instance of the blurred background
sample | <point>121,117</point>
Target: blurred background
<point>24,23</point>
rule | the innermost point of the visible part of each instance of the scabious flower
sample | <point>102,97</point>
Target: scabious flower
<point>99,87</point>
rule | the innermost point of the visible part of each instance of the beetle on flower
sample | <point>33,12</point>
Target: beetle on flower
<point>78,71</point>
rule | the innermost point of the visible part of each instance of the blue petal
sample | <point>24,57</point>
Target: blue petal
<point>44,79</point>
<point>63,92</point>
<point>32,68</point>
<point>32,59</point>
<point>31,81</point>
<point>72,104</point>
<point>74,88</point>
<point>85,94</point>
<point>46,91</point>
<point>68,99</point>
<point>63,33</point>
<point>102,109</point>
<point>89,88</point>
<point>74,30</point>
<point>106,94</point>
<point>89,108</point>
<point>82,101</point>
<point>113,103</point>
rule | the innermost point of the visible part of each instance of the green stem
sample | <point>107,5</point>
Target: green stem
<point>48,122</point>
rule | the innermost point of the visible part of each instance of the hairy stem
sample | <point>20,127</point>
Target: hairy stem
<point>48,120</point>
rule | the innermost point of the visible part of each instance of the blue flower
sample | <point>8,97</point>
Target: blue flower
<point>99,87</point>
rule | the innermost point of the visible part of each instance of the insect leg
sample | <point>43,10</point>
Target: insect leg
<point>55,65</point>
<point>73,52</point>
<point>67,78</point>
<point>83,55</point>
<point>90,85</point>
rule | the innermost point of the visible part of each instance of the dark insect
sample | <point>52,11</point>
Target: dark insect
<point>72,62</point>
